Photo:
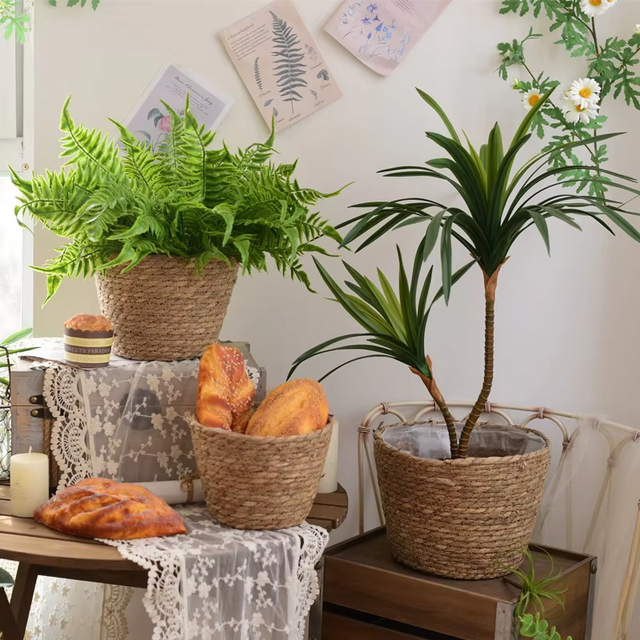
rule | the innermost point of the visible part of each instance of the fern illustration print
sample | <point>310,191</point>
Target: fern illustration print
<point>256,71</point>
<point>288,68</point>
<point>280,64</point>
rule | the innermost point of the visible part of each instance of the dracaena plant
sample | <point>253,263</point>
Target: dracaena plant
<point>119,203</point>
<point>498,203</point>
<point>394,324</point>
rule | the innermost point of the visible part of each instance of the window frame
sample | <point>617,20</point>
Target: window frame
<point>17,72</point>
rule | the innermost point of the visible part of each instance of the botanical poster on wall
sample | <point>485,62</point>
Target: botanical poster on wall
<point>280,64</point>
<point>382,33</point>
<point>150,120</point>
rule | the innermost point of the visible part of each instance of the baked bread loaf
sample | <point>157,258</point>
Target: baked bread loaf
<point>295,408</point>
<point>225,392</point>
<point>99,508</point>
<point>87,322</point>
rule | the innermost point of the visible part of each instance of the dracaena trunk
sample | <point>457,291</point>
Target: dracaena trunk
<point>490,284</point>
<point>436,394</point>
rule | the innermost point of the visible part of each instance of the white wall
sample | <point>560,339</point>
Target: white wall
<point>567,325</point>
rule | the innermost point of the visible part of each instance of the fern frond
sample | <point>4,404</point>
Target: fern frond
<point>119,204</point>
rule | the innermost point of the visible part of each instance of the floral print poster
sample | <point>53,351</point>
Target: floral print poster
<point>150,121</point>
<point>382,33</point>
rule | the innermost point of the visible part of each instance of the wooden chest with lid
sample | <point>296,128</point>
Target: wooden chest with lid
<point>370,596</point>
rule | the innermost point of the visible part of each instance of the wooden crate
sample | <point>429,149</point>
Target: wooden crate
<point>367,594</point>
<point>27,404</point>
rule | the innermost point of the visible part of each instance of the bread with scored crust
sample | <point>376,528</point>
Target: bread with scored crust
<point>294,408</point>
<point>225,392</point>
<point>100,508</point>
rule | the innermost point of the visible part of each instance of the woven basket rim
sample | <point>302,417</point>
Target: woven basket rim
<point>162,257</point>
<point>261,440</point>
<point>464,462</point>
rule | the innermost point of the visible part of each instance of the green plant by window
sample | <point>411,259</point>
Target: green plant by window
<point>23,334</point>
<point>14,20</point>
<point>497,205</point>
<point>611,64</point>
<point>119,203</point>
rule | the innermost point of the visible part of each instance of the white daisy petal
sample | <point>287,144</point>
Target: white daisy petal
<point>531,98</point>
<point>637,30</point>
<point>576,113</point>
<point>585,92</point>
<point>595,8</point>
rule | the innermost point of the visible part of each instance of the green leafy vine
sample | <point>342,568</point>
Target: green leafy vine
<point>609,72</point>
<point>14,20</point>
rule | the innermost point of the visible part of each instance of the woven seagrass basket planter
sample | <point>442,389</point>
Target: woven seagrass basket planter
<point>468,519</point>
<point>250,482</point>
<point>163,310</point>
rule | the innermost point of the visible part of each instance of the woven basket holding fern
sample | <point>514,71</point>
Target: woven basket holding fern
<point>166,232</point>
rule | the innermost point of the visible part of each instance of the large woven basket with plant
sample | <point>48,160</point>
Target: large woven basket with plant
<point>462,510</point>
<point>165,232</point>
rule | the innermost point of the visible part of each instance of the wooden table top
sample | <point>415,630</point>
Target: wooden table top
<point>25,540</point>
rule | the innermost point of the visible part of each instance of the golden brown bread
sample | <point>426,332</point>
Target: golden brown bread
<point>225,392</point>
<point>99,508</point>
<point>87,322</point>
<point>295,408</point>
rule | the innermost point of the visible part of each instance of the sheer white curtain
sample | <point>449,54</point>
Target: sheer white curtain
<point>591,506</point>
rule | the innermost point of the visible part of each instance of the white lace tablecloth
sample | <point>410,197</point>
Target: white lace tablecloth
<point>217,583</point>
<point>128,422</point>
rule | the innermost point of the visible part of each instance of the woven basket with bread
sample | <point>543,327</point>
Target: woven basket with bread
<point>259,470</point>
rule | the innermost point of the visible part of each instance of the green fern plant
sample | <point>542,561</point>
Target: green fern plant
<point>118,203</point>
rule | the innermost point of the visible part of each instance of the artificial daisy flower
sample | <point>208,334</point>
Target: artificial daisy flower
<point>584,92</point>
<point>575,113</point>
<point>637,30</point>
<point>594,8</point>
<point>531,98</point>
<point>515,83</point>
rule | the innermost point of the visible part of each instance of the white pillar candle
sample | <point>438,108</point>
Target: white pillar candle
<point>29,476</point>
<point>329,481</point>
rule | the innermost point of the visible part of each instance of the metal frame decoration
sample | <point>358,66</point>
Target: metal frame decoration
<point>5,415</point>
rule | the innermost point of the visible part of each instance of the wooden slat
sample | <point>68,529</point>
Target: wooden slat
<point>63,554</point>
<point>4,493</point>
<point>334,516</point>
<point>336,627</point>
<point>337,499</point>
<point>410,600</point>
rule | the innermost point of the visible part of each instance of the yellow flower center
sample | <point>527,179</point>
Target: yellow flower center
<point>534,99</point>
<point>595,3</point>
<point>579,108</point>
<point>585,93</point>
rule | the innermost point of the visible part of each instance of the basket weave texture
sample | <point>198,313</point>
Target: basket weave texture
<point>467,519</point>
<point>163,310</point>
<point>258,483</point>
